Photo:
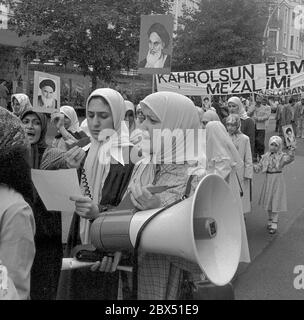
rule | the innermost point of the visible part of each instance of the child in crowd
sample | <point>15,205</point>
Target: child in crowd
<point>273,193</point>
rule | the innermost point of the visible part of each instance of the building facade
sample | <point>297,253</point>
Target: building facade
<point>284,31</point>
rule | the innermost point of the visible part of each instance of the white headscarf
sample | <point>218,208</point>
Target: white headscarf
<point>129,106</point>
<point>98,161</point>
<point>242,113</point>
<point>175,112</point>
<point>97,164</point>
<point>210,115</point>
<point>220,145</point>
<point>72,115</point>
<point>84,127</point>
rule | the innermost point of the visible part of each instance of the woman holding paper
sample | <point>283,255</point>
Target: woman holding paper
<point>47,264</point>
<point>105,176</point>
<point>17,225</point>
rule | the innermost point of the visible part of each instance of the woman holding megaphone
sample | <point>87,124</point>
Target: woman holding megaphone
<point>160,276</point>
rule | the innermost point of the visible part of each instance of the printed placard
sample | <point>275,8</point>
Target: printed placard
<point>46,98</point>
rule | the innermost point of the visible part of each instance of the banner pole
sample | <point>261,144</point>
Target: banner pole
<point>153,84</point>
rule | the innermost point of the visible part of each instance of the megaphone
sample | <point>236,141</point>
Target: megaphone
<point>204,229</point>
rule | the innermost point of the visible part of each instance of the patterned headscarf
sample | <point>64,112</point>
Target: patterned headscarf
<point>242,113</point>
<point>11,130</point>
<point>269,157</point>
<point>278,141</point>
<point>24,103</point>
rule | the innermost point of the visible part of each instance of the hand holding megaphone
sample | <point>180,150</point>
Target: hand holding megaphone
<point>143,199</point>
<point>109,263</point>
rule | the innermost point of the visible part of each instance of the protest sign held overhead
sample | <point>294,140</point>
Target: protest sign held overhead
<point>155,49</point>
<point>46,92</point>
<point>274,78</point>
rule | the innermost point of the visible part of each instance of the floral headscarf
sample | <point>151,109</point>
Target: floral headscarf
<point>11,130</point>
<point>24,103</point>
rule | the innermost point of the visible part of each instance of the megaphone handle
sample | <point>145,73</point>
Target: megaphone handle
<point>136,246</point>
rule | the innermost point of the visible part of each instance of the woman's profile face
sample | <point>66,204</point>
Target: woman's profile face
<point>233,108</point>
<point>32,126</point>
<point>99,117</point>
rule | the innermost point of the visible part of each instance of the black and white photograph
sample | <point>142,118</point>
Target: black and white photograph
<point>155,48</point>
<point>151,154</point>
<point>46,92</point>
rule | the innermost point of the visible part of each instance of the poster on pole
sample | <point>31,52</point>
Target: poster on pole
<point>155,47</point>
<point>46,98</point>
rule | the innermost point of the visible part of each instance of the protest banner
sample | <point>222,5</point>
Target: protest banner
<point>281,78</point>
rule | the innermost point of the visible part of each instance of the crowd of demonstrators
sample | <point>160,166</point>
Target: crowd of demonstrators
<point>107,174</point>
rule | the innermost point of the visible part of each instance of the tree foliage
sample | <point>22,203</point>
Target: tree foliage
<point>100,36</point>
<point>221,33</point>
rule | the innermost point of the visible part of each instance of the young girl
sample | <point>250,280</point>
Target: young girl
<point>273,194</point>
<point>242,144</point>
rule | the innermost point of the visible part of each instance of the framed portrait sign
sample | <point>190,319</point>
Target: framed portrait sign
<point>155,46</point>
<point>46,98</point>
<point>289,135</point>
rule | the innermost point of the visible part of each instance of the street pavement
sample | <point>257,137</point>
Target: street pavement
<point>270,275</point>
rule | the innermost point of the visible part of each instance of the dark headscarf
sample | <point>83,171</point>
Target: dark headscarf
<point>39,147</point>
